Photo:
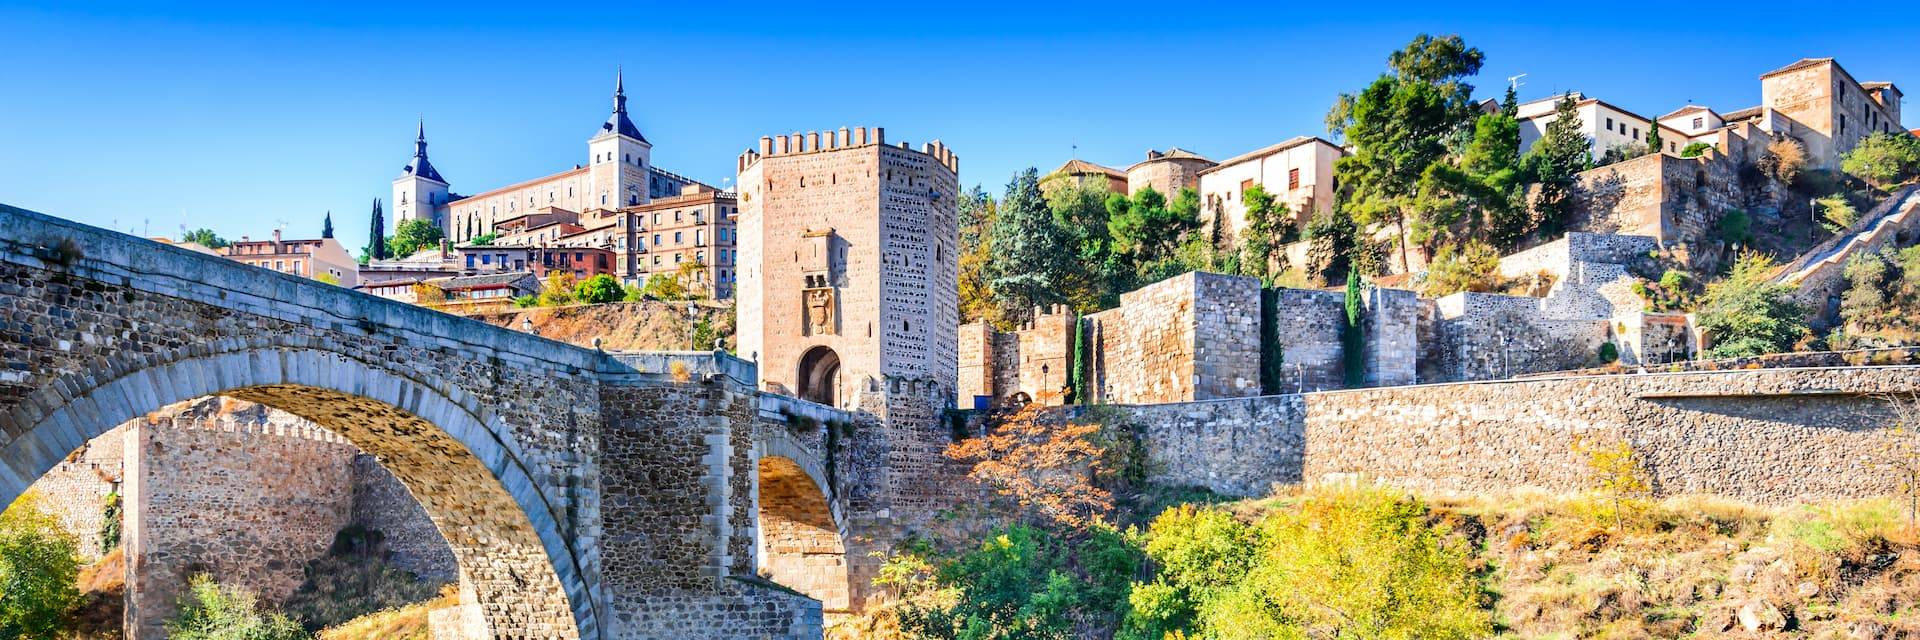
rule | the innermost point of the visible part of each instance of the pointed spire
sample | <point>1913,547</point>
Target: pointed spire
<point>419,166</point>
<point>619,123</point>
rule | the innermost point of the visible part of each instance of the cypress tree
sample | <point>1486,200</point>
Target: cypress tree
<point>1272,364</point>
<point>1352,336</point>
<point>326,226</point>
<point>377,243</point>
<point>1077,376</point>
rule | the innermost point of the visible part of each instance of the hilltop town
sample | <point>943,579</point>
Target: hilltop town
<point>826,400</point>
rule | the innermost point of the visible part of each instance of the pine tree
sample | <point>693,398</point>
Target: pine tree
<point>377,243</point>
<point>326,226</point>
<point>1653,136</point>
<point>1033,257</point>
<point>1511,105</point>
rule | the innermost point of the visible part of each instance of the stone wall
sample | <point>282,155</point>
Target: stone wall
<point>1771,436</point>
<point>1483,336</point>
<point>1672,199</point>
<point>77,490</point>
<point>1150,348</point>
<point>1308,329</point>
<point>381,503</point>
<point>246,503</point>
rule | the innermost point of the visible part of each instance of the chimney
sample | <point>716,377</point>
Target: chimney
<point>276,237</point>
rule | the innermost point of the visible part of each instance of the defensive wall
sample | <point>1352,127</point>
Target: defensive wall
<point>1203,336</point>
<point>1764,435</point>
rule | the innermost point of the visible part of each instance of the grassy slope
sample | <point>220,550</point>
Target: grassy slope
<point>404,623</point>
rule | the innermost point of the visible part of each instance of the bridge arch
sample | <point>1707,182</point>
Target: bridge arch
<point>456,457</point>
<point>801,539</point>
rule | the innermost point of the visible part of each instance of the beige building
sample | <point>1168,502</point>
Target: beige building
<point>1832,110</point>
<point>696,227</point>
<point>1167,171</point>
<point>305,258</point>
<point>1298,172</point>
<point>1077,171</point>
<point>848,266</point>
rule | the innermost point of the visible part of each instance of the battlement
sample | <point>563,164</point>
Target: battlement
<point>798,143</point>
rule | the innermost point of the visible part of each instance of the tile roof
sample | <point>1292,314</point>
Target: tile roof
<point>1078,167</point>
<point>490,279</point>
<point>1797,65</point>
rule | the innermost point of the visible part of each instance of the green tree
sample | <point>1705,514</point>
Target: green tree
<point>1747,314</point>
<point>1884,159</point>
<point>484,239</point>
<point>413,235</point>
<point>1556,158</point>
<point>1201,553</point>
<point>598,289</point>
<point>557,290</point>
<point>1032,255</point>
<point>1095,276</point>
<point>377,238</point>
<point>661,286</point>
<point>205,238</point>
<point>1352,564</point>
<point>326,226</point>
<point>1653,136</point>
<point>214,612</point>
<point>1266,216</point>
<point>38,572</point>
<point>976,213</point>
<point>1694,149</point>
<point>1022,582</point>
<point>1353,337</point>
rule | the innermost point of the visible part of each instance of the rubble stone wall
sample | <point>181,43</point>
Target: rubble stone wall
<point>1770,436</point>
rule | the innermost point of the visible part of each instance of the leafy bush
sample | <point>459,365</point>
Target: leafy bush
<point>483,240</point>
<point>214,612</point>
<point>598,289</point>
<point>557,290</point>
<point>110,523</point>
<point>1884,159</point>
<point>1673,292</point>
<point>524,302</point>
<point>1747,314</point>
<point>1695,150</point>
<point>1882,300</point>
<point>1350,563</point>
<point>1020,582</point>
<point>38,572</point>
<point>1839,212</point>
<point>659,286</point>
<point>1623,152</point>
<point>1474,266</point>
<point>1735,227</point>
<point>1609,353</point>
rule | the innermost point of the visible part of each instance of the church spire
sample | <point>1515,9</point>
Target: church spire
<point>619,123</point>
<point>419,166</point>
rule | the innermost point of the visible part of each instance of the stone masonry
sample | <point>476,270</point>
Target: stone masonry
<point>1765,435</point>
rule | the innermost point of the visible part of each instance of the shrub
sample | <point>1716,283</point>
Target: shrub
<point>1784,160</point>
<point>557,290</point>
<point>524,302</point>
<point>598,289</point>
<point>354,580</point>
<point>1695,150</point>
<point>1609,353</point>
<point>661,286</point>
<point>1020,582</point>
<point>1839,212</point>
<point>1475,266</point>
<point>1736,227</point>
<point>110,523</point>
<point>1673,292</point>
<point>1352,563</point>
<point>38,572</point>
<point>1623,152</point>
<point>1747,314</point>
<point>214,612</point>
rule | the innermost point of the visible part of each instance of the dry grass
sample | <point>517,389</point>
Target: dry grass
<point>103,587</point>
<point>403,623</point>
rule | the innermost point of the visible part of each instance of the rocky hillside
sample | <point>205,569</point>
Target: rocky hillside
<point>626,326</point>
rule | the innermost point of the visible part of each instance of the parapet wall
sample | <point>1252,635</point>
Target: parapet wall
<point>1769,436</point>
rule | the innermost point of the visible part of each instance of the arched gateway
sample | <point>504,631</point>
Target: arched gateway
<point>584,495</point>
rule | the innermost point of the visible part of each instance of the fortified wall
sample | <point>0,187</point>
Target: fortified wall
<point>1768,435</point>
<point>1203,336</point>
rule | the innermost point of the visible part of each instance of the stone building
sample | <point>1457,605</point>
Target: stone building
<point>847,266</point>
<point>1298,172</point>
<point>1167,171</point>
<point>1830,110</point>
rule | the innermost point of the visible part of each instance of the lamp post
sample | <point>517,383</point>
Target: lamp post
<point>693,314</point>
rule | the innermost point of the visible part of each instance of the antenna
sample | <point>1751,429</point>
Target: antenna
<point>1515,83</point>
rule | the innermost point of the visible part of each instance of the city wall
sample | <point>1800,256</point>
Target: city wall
<point>1770,435</point>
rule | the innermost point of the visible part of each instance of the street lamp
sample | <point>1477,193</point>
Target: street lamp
<point>693,314</point>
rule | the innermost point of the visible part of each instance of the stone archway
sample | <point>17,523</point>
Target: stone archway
<point>819,378</point>
<point>453,455</point>
<point>800,542</point>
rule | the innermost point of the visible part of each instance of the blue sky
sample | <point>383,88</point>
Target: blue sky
<point>237,116</point>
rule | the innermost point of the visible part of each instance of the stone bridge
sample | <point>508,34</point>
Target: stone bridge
<point>585,495</point>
